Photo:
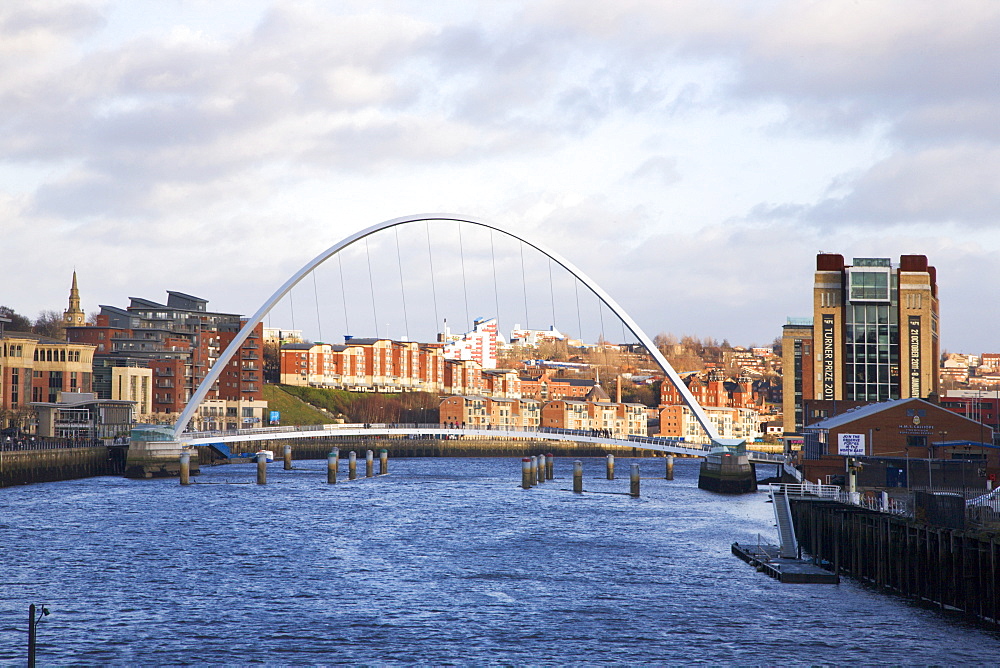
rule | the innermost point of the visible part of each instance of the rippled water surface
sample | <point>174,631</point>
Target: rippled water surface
<point>444,561</point>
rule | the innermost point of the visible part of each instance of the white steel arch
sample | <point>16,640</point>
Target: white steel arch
<point>227,354</point>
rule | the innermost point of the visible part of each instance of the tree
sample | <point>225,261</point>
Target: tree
<point>18,323</point>
<point>50,324</point>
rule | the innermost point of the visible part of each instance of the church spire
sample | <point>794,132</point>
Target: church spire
<point>74,315</point>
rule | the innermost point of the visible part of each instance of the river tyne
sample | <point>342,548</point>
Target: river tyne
<point>442,562</point>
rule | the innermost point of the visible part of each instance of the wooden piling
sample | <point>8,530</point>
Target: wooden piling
<point>369,464</point>
<point>611,467</point>
<point>550,466</point>
<point>185,468</point>
<point>352,465</point>
<point>261,468</point>
<point>578,476</point>
<point>670,467</point>
<point>541,468</point>
<point>288,457</point>
<point>526,473</point>
<point>634,481</point>
<point>383,462</point>
<point>331,467</point>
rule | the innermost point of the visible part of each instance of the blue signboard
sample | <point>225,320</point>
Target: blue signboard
<point>275,417</point>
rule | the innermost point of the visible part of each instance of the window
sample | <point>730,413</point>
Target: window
<point>869,284</point>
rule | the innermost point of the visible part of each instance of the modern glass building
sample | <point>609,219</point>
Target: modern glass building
<point>874,337</point>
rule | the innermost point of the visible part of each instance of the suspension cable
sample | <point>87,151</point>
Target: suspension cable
<point>600,310</point>
<point>430,258</point>
<point>579,322</point>
<point>524,287</point>
<point>371,285</point>
<point>319,322</point>
<point>465,291</point>
<point>343,294</point>
<point>496,291</point>
<point>552,296</point>
<point>402,289</point>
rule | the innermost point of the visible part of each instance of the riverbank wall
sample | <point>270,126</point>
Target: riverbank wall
<point>316,448</point>
<point>953,569</point>
<point>23,467</point>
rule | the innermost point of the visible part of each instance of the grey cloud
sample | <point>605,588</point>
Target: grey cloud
<point>942,185</point>
<point>659,169</point>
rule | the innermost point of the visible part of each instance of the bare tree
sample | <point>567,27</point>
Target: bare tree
<point>18,323</point>
<point>50,324</point>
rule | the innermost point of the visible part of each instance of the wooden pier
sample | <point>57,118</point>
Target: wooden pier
<point>767,559</point>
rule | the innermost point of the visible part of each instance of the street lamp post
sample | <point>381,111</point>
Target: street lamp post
<point>907,449</point>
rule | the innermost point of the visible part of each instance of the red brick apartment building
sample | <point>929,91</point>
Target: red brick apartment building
<point>179,341</point>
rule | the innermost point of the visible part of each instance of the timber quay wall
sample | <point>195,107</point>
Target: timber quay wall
<point>318,448</point>
<point>954,569</point>
<point>23,467</point>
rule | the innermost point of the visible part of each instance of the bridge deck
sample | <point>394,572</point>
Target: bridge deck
<point>435,431</point>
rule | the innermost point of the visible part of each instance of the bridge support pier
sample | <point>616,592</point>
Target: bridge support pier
<point>157,459</point>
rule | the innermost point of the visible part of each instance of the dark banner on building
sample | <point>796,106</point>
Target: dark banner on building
<point>829,358</point>
<point>913,353</point>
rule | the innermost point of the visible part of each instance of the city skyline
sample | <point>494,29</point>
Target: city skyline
<point>691,158</point>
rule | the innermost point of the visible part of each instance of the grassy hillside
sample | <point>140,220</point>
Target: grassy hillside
<point>293,410</point>
<point>369,406</point>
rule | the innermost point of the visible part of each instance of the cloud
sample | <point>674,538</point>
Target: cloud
<point>954,184</point>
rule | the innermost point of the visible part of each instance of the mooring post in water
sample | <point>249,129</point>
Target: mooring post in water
<point>541,468</point>
<point>550,466</point>
<point>352,465</point>
<point>31,636</point>
<point>288,457</point>
<point>383,461</point>
<point>611,467</point>
<point>261,468</point>
<point>369,464</point>
<point>526,473</point>
<point>331,467</point>
<point>634,481</point>
<point>578,476</point>
<point>185,468</point>
<point>534,470</point>
<point>670,467</point>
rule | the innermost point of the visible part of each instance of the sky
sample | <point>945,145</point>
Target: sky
<point>692,158</point>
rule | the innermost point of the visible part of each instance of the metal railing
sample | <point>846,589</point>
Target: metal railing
<point>37,443</point>
<point>806,489</point>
